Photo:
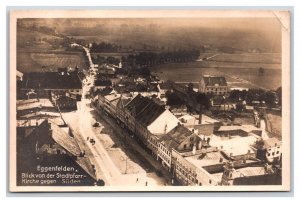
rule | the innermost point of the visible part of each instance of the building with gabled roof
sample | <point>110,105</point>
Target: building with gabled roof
<point>45,83</point>
<point>147,119</point>
<point>213,85</point>
<point>47,143</point>
<point>180,139</point>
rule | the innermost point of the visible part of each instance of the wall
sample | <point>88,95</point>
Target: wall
<point>189,174</point>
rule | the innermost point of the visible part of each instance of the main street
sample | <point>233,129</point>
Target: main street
<point>105,165</point>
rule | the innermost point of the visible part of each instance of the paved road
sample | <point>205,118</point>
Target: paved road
<point>136,147</point>
<point>104,165</point>
<point>103,160</point>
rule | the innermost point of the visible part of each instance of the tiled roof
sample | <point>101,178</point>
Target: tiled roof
<point>104,91</point>
<point>63,139</point>
<point>51,80</point>
<point>213,80</point>
<point>176,136</point>
<point>70,144</point>
<point>145,109</point>
<point>137,104</point>
<point>106,83</point>
<point>150,113</point>
<point>124,100</point>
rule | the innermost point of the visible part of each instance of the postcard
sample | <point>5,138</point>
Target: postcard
<point>149,100</point>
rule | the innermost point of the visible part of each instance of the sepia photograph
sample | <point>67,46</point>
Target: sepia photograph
<point>152,100</point>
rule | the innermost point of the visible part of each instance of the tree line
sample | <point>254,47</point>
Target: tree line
<point>270,97</point>
<point>153,58</point>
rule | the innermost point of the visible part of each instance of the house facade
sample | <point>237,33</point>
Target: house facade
<point>213,85</point>
<point>273,149</point>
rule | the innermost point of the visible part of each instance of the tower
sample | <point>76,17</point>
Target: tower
<point>227,177</point>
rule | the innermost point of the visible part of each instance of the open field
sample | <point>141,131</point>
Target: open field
<point>263,58</point>
<point>237,74</point>
<point>29,61</point>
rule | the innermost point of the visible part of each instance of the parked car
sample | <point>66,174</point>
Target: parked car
<point>97,124</point>
<point>92,141</point>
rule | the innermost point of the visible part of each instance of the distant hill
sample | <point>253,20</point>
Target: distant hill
<point>239,34</point>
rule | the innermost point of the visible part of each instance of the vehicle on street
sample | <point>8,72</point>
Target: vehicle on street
<point>97,124</point>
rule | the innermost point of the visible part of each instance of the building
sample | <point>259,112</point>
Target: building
<point>238,130</point>
<point>101,84</point>
<point>148,119</point>
<point>273,149</point>
<point>189,171</point>
<point>47,144</point>
<point>66,103</point>
<point>45,83</point>
<point>236,147</point>
<point>180,139</point>
<point>109,103</point>
<point>120,111</point>
<point>213,85</point>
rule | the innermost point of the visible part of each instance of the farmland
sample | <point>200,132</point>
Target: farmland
<point>238,74</point>
<point>263,58</point>
<point>39,61</point>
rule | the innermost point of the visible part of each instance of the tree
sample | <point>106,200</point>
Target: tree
<point>190,87</point>
<point>173,99</point>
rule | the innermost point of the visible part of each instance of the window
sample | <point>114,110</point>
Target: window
<point>277,152</point>
<point>269,154</point>
<point>209,181</point>
<point>273,153</point>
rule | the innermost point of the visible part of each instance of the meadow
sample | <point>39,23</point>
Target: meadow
<point>39,61</point>
<point>237,74</point>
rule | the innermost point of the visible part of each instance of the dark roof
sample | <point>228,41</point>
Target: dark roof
<point>144,109</point>
<point>81,75</point>
<point>137,104</point>
<point>71,145</point>
<point>51,80</point>
<point>124,101</point>
<point>65,98</point>
<point>106,83</point>
<point>214,80</point>
<point>105,91</point>
<point>176,136</point>
<point>151,112</point>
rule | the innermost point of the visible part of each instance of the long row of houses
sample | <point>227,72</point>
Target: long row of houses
<point>189,150</point>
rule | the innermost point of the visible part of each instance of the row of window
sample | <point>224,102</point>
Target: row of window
<point>273,153</point>
<point>164,149</point>
<point>215,89</point>
<point>74,90</point>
